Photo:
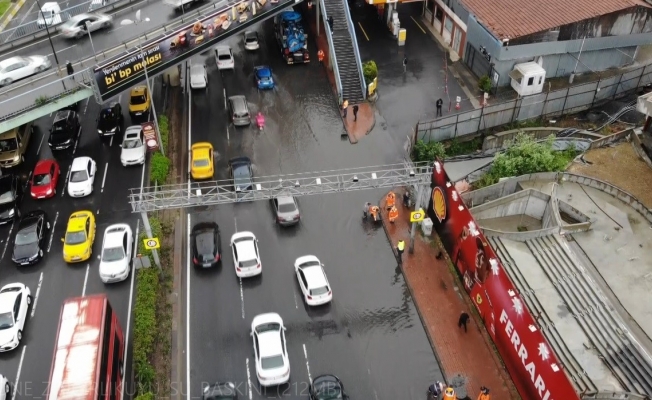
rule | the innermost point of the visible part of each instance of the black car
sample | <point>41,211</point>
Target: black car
<point>327,387</point>
<point>30,242</point>
<point>11,192</point>
<point>241,173</point>
<point>65,129</point>
<point>220,391</point>
<point>206,244</point>
<point>110,120</point>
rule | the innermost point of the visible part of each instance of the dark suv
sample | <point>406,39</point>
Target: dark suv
<point>65,129</point>
<point>11,192</point>
<point>110,120</point>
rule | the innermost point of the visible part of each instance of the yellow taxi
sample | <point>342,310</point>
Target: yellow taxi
<point>139,101</point>
<point>201,161</point>
<point>80,235</point>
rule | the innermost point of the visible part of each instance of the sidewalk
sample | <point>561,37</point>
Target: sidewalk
<point>9,15</point>
<point>440,300</point>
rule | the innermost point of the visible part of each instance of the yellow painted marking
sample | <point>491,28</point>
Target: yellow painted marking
<point>415,21</point>
<point>362,29</point>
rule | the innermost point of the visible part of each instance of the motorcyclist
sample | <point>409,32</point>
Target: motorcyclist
<point>435,390</point>
<point>260,120</point>
<point>365,213</point>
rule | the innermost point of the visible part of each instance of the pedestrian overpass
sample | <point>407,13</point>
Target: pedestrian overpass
<point>115,70</point>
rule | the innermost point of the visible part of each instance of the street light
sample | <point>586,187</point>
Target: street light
<point>149,89</point>
<point>45,22</point>
<point>88,30</point>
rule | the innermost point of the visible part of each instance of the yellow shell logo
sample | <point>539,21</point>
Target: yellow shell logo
<point>439,203</point>
<point>478,299</point>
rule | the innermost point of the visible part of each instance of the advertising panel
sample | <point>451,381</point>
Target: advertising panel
<point>120,72</point>
<point>531,362</point>
<point>150,135</point>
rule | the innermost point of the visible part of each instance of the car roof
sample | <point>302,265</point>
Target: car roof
<point>9,61</point>
<point>269,344</point>
<point>61,114</point>
<point>315,276</point>
<point>197,67</point>
<point>200,152</point>
<point>43,167</point>
<point>113,235</point>
<point>30,218</point>
<point>79,163</point>
<point>285,200</point>
<point>80,16</point>
<point>138,90</point>
<point>246,250</point>
<point>221,49</point>
<point>133,128</point>
<point>77,220</point>
<point>7,300</point>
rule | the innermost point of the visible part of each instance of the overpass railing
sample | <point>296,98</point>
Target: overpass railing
<point>356,50</point>
<point>331,51</point>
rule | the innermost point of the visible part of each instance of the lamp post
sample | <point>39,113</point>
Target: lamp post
<point>47,30</point>
<point>88,30</point>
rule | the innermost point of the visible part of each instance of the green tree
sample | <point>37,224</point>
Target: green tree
<point>370,71</point>
<point>428,151</point>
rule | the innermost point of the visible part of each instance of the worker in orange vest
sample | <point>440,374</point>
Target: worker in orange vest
<point>484,394</point>
<point>449,394</point>
<point>390,200</point>
<point>393,214</point>
<point>320,56</point>
<point>374,211</point>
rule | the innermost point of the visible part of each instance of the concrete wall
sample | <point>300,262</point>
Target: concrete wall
<point>521,236</point>
<point>458,8</point>
<point>615,137</point>
<point>573,212</point>
<point>501,189</point>
<point>527,202</point>
<point>498,140</point>
<point>548,220</point>
<point>637,145</point>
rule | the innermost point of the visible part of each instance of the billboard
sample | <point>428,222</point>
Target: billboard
<point>532,364</point>
<point>120,72</point>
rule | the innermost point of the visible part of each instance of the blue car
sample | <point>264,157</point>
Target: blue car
<point>263,77</point>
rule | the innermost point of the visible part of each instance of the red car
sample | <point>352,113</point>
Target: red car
<point>44,179</point>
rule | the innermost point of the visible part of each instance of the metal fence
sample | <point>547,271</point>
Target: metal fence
<point>554,103</point>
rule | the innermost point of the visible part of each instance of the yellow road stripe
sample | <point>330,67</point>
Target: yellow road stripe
<point>362,29</point>
<point>415,21</point>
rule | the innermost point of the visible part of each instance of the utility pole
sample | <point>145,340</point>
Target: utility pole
<point>317,4</point>
<point>417,206</point>
<point>148,231</point>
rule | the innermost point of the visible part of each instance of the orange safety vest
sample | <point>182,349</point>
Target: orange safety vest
<point>320,55</point>
<point>391,199</point>
<point>393,213</point>
<point>483,396</point>
<point>449,394</point>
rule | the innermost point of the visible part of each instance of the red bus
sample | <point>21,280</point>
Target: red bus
<point>89,352</point>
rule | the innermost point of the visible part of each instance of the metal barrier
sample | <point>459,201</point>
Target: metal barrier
<point>356,51</point>
<point>331,51</point>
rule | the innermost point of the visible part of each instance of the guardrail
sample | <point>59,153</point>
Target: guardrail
<point>331,51</point>
<point>356,51</point>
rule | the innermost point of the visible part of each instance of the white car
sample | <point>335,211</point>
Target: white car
<point>198,76</point>
<point>224,58</point>
<point>15,299</point>
<point>251,40</point>
<point>81,177</point>
<point>4,382</point>
<point>16,68</point>
<point>312,280</point>
<point>246,257</point>
<point>133,147</point>
<point>76,27</point>
<point>117,248</point>
<point>270,349</point>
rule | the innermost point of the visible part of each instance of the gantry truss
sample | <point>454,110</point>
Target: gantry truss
<point>199,194</point>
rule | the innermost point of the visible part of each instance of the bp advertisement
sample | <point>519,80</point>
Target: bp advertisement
<point>157,55</point>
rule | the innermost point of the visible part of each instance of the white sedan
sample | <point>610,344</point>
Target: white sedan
<point>4,383</point>
<point>78,26</point>
<point>16,68</point>
<point>117,248</point>
<point>198,76</point>
<point>15,299</point>
<point>133,147</point>
<point>270,349</point>
<point>224,58</point>
<point>312,280</point>
<point>246,257</point>
<point>81,177</point>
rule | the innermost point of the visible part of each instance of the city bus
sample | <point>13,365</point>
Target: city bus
<point>88,357</point>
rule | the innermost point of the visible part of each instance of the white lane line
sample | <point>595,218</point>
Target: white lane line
<point>38,290</point>
<point>111,141</point>
<point>88,267</point>
<point>188,308</point>
<point>20,367</point>
<point>56,217</point>
<point>106,169</point>
<point>7,242</point>
<point>142,177</point>
<point>88,99</point>
<point>131,296</point>
<point>248,381</point>
<point>305,354</point>
<point>63,192</point>
<point>39,145</point>
<point>225,106</point>
<point>235,222</point>
<point>77,141</point>
<point>28,13</point>
<point>296,304</point>
<point>242,299</point>
<point>62,50</point>
<point>189,131</point>
<point>228,134</point>
<point>98,211</point>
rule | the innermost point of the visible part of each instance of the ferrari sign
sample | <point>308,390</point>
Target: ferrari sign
<point>417,216</point>
<point>151,244</point>
<point>150,136</point>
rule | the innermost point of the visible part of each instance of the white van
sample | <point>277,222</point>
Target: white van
<point>50,15</point>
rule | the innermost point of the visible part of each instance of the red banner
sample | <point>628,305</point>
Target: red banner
<point>531,362</point>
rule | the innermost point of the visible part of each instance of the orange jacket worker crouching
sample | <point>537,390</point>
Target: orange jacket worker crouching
<point>449,394</point>
<point>484,394</point>
<point>393,214</point>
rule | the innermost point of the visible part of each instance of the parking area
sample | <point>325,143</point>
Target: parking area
<point>370,335</point>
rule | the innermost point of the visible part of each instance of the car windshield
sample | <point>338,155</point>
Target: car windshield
<point>79,176</point>
<point>6,320</point>
<point>319,291</point>
<point>271,362</point>
<point>251,39</point>
<point>327,391</point>
<point>47,13</point>
<point>310,264</point>
<point>42,179</point>
<point>113,254</point>
<point>131,144</point>
<point>286,208</point>
<point>77,237</point>
<point>26,236</point>
<point>201,163</point>
<point>271,326</point>
<point>264,78</point>
<point>8,145</point>
<point>6,197</point>
<point>136,100</point>
<point>224,57</point>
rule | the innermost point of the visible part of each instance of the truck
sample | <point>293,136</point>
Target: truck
<point>181,5</point>
<point>291,37</point>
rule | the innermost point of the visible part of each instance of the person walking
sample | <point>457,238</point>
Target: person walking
<point>345,108</point>
<point>435,390</point>
<point>355,112</point>
<point>484,394</point>
<point>464,318</point>
<point>406,198</point>
<point>400,248</point>
<point>70,70</point>
<point>439,103</point>
<point>404,64</point>
<point>365,212</point>
<point>330,23</point>
<point>320,56</point>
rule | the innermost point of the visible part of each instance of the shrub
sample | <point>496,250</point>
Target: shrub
<point>370,71</point>
<point>428,151</point>
<point>484,84</point>
<point>145,396</point>
<point>159,168</point>
<point>164,128</point>
<point>41,100</point>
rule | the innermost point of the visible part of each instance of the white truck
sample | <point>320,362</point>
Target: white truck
<point>180,5</point>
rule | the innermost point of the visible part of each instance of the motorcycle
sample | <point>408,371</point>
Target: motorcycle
<point>260,121</point>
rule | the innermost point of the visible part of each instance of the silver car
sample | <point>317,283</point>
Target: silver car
<point>16,68</point>
<point>286,210</point>
<point>198,76</point>
<point>79,25</point>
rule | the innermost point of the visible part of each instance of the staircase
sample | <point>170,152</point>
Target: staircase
<point>344,52</point>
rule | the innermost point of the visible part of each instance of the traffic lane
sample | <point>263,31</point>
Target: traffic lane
<point>30,14</point>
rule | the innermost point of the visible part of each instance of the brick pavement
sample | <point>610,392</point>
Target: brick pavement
<point>440,299</point>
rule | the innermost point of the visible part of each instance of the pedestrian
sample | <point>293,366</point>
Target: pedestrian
<point>390,200</point>
<point>464,318</point>
<point>435,390</point>
<point>330,23</point>
<point>406,198</point>
<point>393,214</point>
<point>404,64</point>
<point>365,212</point>
<point>345,108</point>
<point>400,248</point>
<point>484,394</point>
<point>70,70</point>
<point>320,56</point>
<point>355,112</point>
<point>439,103</point>
<point>440,255</point>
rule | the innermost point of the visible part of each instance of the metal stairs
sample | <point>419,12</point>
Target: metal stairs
<point>343,45</point>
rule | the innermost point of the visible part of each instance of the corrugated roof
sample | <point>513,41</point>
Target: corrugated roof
<point>515,18</point>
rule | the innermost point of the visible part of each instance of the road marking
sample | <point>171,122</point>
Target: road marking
<point>77,141</point>
<point>188,308</point>
<point>142,178</point>
<point>111,141</point>
<point>228,137</point>
<point>242,299</point>
<point>7,242</point>
<point>363,31</point>
<point>131,296</point>
<point>98,211</point>
<point>88,99</point>
<point>56,216</point>
<point>88,267</point>
<point>64,49</point>
<point>20,367</point>
<point>29,12</point>
<point>189,132</point>
<point>225,106</point>
<point>296,304</point>
<point>419,25</point>
<point>38,290</point>
<point>66,181</point>
<point>305,354</point>
<point>39,145</point>
<point>106,169</point>
<point>248,381</point>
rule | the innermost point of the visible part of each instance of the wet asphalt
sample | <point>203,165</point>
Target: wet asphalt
<point>371,335</point>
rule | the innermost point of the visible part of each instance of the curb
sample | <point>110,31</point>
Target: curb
<point>9,15</point>
<point>352,138</point>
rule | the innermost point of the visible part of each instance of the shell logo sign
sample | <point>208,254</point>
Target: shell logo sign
<point>439,203</point>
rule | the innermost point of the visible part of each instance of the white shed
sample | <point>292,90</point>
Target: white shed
<point>528,78</point>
